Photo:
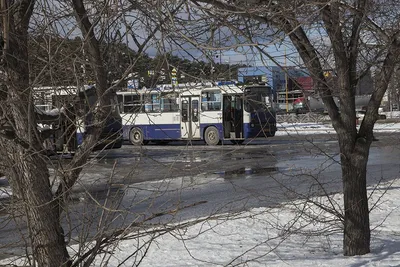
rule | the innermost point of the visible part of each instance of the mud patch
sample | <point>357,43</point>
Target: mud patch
<point>245,172</point>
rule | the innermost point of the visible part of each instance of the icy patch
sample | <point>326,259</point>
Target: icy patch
<point>5,189</point>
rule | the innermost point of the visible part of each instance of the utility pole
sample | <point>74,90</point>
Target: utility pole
<point>212,69</point>
<point>229,68</point>
<point>5,21</point>
<point>219,43</point>
<point>286,85</point>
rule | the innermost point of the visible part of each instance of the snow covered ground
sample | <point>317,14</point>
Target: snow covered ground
<point>5,189</point>
<point>322,128</point>
<point>283,236</point>
<point>280,236</point>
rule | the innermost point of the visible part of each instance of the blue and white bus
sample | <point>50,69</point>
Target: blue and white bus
<point>212,114</point>
<point>67,113</point>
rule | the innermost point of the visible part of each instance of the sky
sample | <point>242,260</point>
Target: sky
<point>278,236</point>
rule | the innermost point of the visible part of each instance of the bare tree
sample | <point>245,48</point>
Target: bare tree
<point>27,170</point>
<point>25,165</point>
<point>362,34</point>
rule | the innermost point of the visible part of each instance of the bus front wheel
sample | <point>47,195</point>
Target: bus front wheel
<point>136,137</point>
<point>211,136</point>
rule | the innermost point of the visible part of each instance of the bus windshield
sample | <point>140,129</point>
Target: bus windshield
<point>258,98</point>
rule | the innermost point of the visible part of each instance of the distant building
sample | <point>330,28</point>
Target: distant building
<point>291,84</point>
<point>274,76</point>
<point>306,83</point>
<point>366,85</point>
<point>288,75</point>
<point>260,74</point>
<point>280,80</point>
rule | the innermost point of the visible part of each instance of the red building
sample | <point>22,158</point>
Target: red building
<point>305,83</point>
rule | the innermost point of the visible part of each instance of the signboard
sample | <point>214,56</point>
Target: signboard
<point>174,80</point>
<point>133,84</point>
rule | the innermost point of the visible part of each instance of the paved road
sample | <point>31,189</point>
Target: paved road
<point>208,180</point>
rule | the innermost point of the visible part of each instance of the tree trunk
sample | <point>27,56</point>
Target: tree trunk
<point>354,158</point>
<point>31,180</point>
<point>27,169</point>
<point>29,176</point>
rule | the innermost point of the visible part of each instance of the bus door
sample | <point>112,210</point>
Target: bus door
<point>233,116</point>
<point>190,117</point>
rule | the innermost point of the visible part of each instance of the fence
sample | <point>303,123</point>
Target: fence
<point>301,118</point>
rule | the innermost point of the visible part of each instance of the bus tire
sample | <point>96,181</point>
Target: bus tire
<point>136,137</point>
<point>211,136</point>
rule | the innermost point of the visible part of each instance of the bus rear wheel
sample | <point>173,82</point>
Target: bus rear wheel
<point>211,136</point>
<point>136,137</point>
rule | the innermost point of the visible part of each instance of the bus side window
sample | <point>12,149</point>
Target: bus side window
<point>155,99</point>
<point>148,103</point>
<point>120,99</point>
<point>211,100</point>
<point>185,110</point>
<point>174,104</point>
<point>132,104</point>
<point>137,103</point>
<point>127,102</point>
<point>204,106</point>
<point>169,103</point>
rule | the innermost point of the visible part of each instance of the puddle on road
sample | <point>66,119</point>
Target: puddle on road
<point>244,157</point>
<point>238,173</point>
<point>3,182</point>
<point>99,193</point>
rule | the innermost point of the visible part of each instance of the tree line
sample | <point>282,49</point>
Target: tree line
<point>62,61</point>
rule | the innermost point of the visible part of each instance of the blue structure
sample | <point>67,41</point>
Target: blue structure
<point>256,75</point>
<point>273,76</point>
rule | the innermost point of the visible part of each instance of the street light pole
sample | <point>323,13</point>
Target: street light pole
<point>229,68</point>
<point>286,85</point>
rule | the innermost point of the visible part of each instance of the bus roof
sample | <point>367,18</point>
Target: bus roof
<point>226,89</point>
<point>63,90</point>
